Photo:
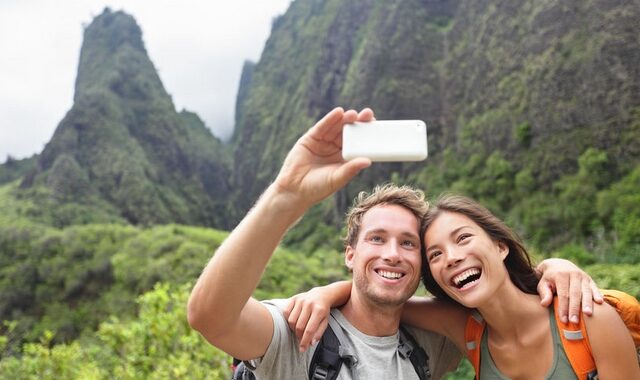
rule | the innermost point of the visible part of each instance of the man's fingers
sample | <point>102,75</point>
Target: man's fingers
<point>597,295</point>
<point>575,297</point>
<point>587,297</point>
<point>562,291</point>
<point>329,123</point>
<point>366,115</point>
<point>545,292</point>
<point>348,170</point>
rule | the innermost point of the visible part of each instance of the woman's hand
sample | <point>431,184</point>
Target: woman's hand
<point>308,313</point>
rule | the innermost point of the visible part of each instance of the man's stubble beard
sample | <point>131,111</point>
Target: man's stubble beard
<point>371,294</point>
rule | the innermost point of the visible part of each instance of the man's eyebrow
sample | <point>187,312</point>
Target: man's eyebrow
<point>383,230</point>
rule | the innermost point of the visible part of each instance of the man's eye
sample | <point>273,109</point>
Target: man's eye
<point>409,243</point>
<point>376,239</point>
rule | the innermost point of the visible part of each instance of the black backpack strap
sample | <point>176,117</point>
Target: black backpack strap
<point>241,372</point>
<point>329,355</point>
<point>408,348</point>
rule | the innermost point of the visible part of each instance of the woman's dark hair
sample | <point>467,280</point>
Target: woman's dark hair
<point>521,271</point>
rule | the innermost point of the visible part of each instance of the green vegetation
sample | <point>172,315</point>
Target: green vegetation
<point>157,344</point>
<point>67,298</point>
<point>532,109</point>
<point>65,293</point>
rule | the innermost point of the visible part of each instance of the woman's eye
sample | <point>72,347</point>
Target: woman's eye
<point>463,237</point>
<point>434,254</point>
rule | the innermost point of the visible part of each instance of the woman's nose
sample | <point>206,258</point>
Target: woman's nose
<point>454,257</point>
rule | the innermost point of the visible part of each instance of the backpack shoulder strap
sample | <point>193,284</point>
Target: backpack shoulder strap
<point>575,342</point>
<point>472,337</point>
<point>240,371</point>
<point>329,355</point>
<point>408,348</point>
<point>628,308</point>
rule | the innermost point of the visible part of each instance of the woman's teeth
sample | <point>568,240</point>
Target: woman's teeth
<point>466,277</point>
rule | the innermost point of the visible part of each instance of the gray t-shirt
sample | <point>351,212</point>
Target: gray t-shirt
<point>378,357</point>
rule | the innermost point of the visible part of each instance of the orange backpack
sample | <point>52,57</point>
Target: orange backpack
<point>574,337</point>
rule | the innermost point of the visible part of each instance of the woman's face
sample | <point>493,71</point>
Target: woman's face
<point>465,262</point>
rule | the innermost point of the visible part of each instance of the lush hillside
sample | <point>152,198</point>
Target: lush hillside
<point>69,280</point>
<point>68,299</point>
<point>124,147</point>
<point>533,108</point>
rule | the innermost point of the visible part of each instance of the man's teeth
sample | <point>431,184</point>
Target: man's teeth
<point>389,275</point>
<point>466,276</point>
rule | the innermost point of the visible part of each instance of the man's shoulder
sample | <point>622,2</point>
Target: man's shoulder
<point>283,359</point>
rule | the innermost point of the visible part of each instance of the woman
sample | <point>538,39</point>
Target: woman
<point>476,261</point>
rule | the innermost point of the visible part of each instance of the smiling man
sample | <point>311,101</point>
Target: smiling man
<point>382,249</point>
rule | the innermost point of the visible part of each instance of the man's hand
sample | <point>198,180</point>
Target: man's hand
<point>573,286</point>
<point>314,168</point>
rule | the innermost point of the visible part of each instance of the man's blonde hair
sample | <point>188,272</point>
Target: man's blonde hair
<point>388,194</point>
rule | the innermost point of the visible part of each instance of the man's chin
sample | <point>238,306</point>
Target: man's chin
<point>385,300</point>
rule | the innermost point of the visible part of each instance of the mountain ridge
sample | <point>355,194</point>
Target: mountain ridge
<point>125,144</point>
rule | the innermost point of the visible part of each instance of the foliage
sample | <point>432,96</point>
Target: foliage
<point>157,344</point>
<point>532,110</point>
<point>464,371</point>
<point>617,276</point>
<point>68,280</point>
<point>13,169</point>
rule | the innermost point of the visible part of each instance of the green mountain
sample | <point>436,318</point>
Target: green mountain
<point>122,151</point>
<point>532,108</point>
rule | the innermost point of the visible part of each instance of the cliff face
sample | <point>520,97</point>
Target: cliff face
<point>545,80</point>
<point>123,144</point>
<point>534,83</point>
<point>528,105</point>
<point>386,55</point>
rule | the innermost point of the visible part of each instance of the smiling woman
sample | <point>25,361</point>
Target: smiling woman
<point>477,261</point>
<point>457,222</point>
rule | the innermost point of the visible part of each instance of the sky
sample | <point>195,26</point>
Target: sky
<point>197,46</point>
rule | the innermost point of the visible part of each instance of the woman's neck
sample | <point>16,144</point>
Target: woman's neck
<point>511,312</point>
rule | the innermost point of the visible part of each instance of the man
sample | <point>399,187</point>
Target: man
<point>385,262</point>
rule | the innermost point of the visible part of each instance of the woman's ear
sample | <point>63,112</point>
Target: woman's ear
<point>503,250</point>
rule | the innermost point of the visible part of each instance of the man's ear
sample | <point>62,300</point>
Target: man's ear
<point>503,250</point>
<point>349,252</point>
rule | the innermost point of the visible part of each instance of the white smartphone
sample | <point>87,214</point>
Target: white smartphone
<point>385,140</point>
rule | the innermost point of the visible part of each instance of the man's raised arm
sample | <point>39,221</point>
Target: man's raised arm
<point>220,306</point>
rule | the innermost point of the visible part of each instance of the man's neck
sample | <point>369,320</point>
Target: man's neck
<point>369,318</point>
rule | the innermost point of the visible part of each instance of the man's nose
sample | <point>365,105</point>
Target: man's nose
<point>391,253</point>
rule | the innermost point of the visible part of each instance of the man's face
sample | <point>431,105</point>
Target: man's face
<point>386,259</point>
